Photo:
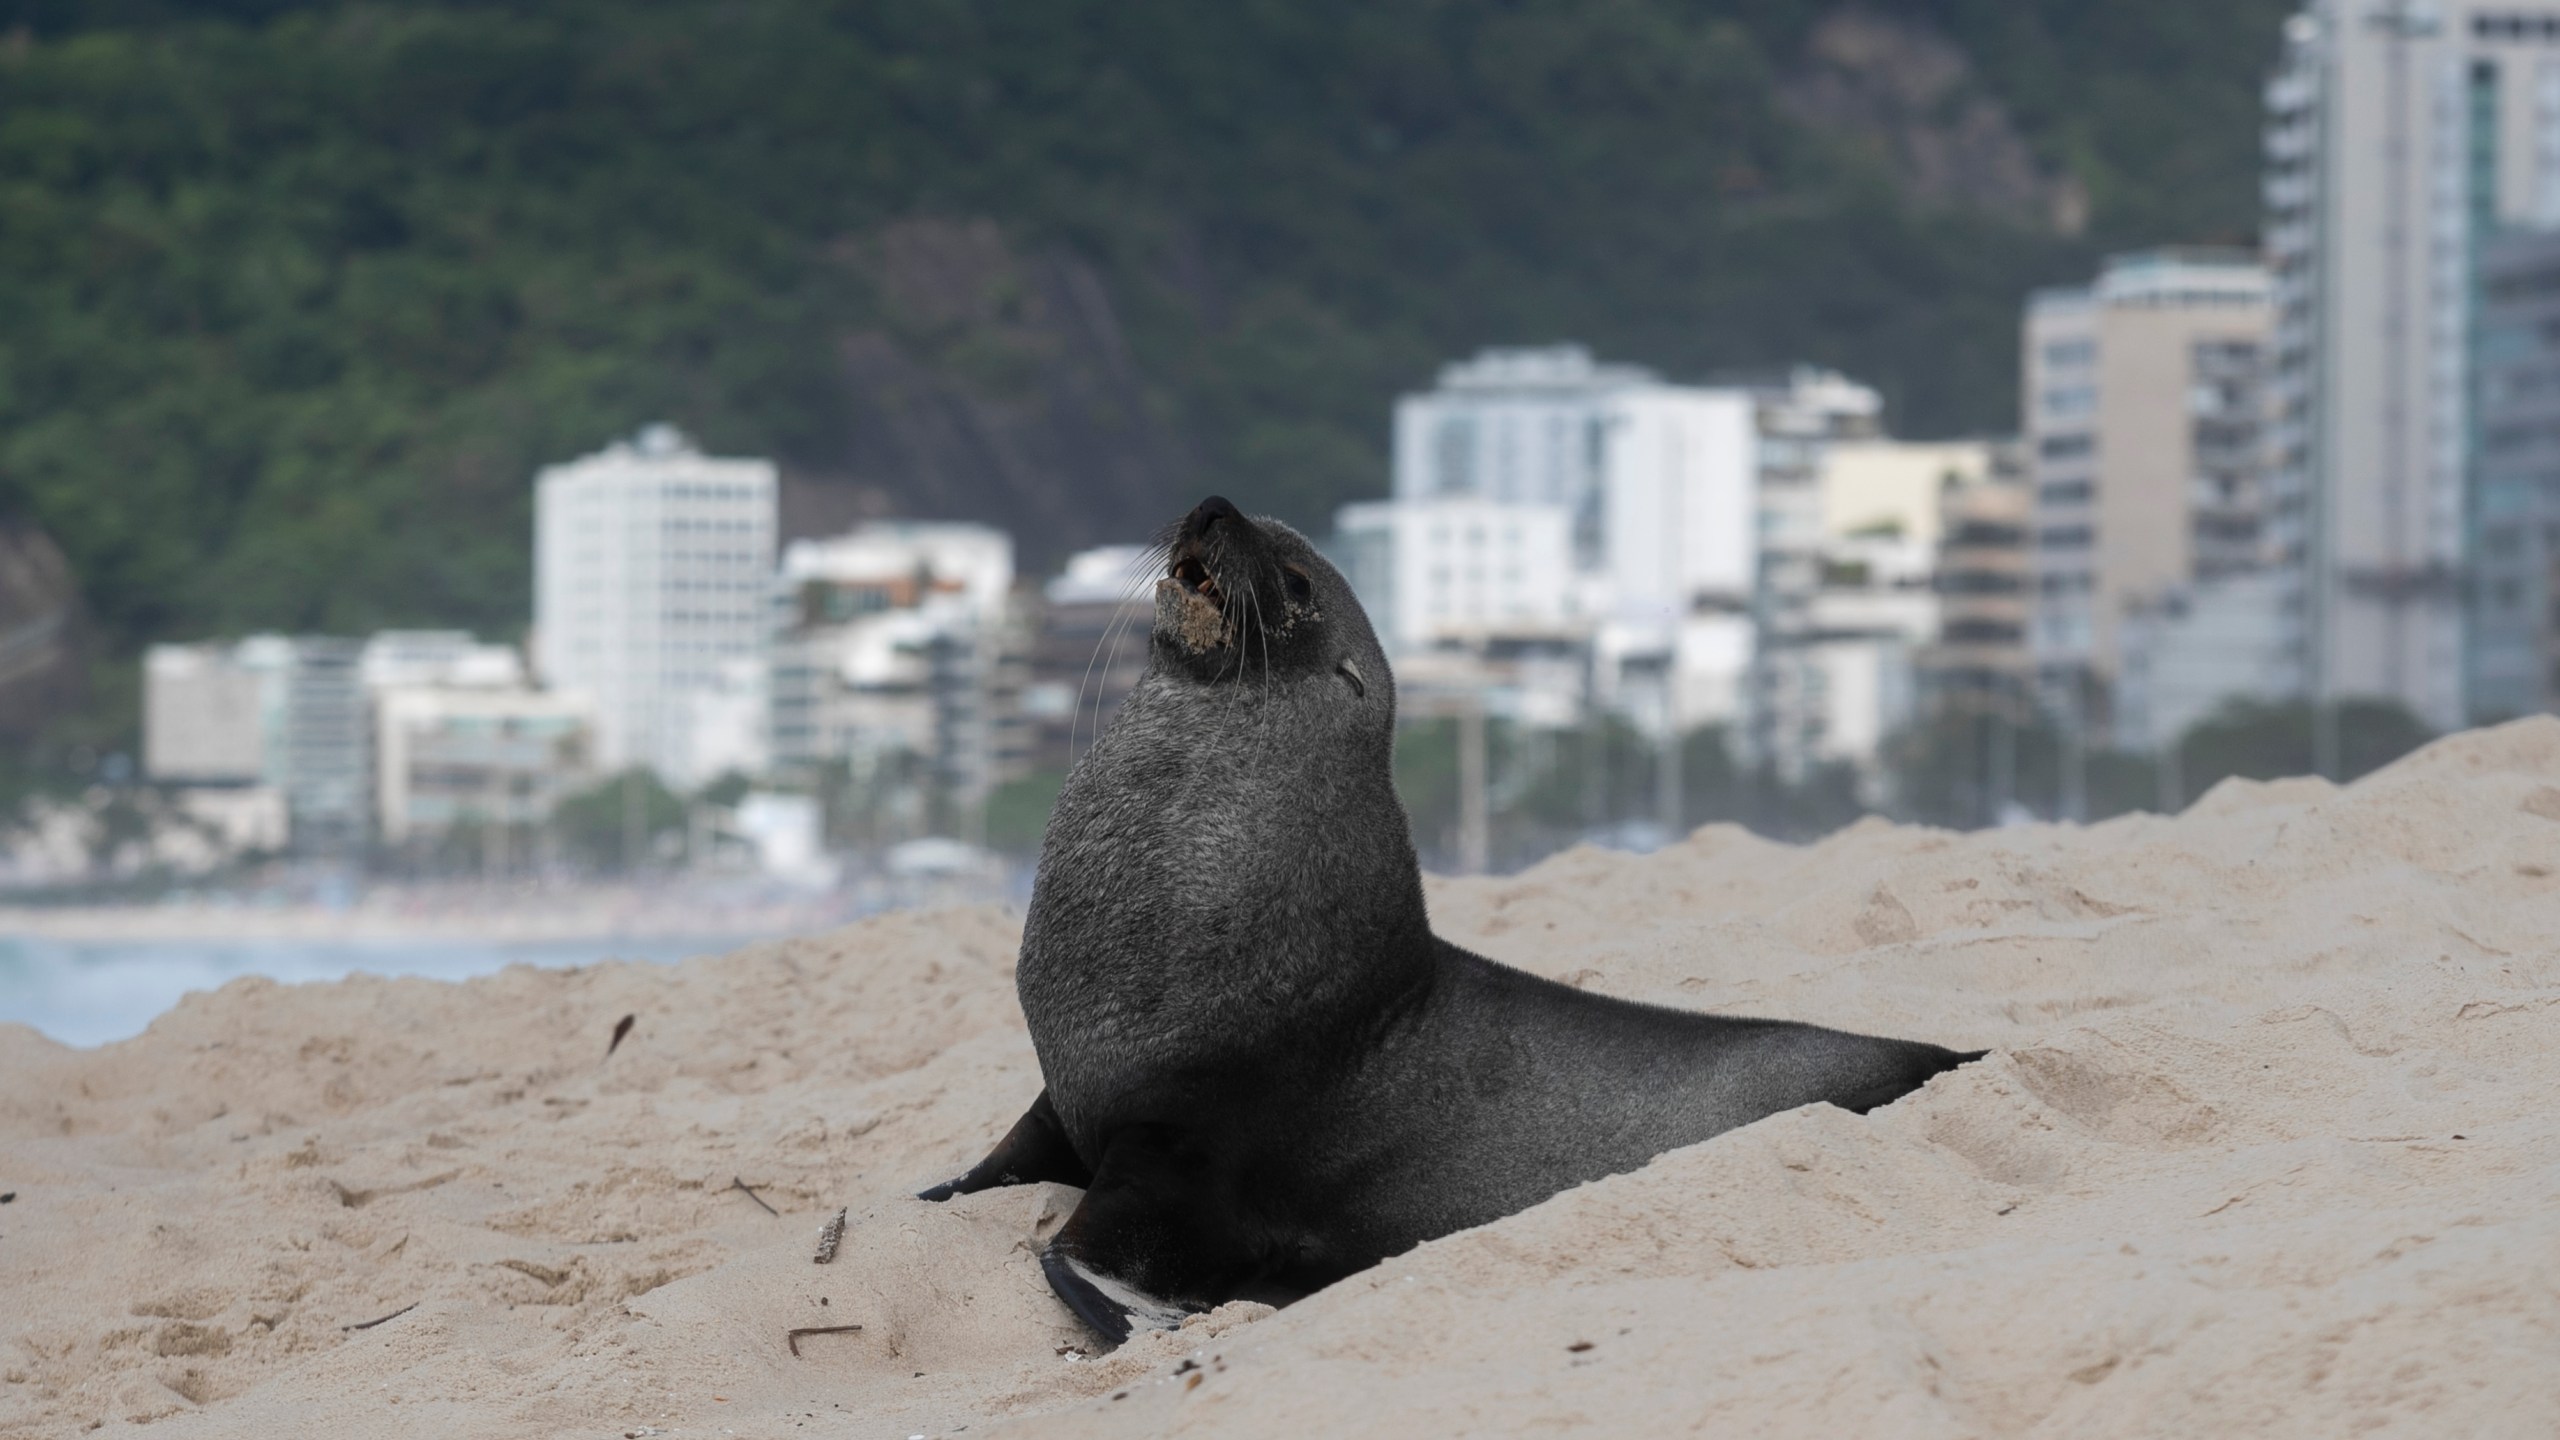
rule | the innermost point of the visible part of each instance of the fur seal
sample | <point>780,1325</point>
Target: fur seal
<point>1262,1067</point>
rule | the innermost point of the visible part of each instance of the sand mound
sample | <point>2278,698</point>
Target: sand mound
<point>2267,1147</point>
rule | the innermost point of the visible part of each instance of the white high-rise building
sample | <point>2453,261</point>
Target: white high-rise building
<point>1454,567</point>
<point>653,572</point>
<point>1610,504</point>
<point>1656,481</point>
<point>2399,132</point>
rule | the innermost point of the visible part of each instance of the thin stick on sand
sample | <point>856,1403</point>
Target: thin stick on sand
<point>793,1336</point>
<point>385,1320</point>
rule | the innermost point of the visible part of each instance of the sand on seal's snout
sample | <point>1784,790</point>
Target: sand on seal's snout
<point>2267,1147</point>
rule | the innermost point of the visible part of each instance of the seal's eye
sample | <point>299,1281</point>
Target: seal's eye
<point>1301,589</point>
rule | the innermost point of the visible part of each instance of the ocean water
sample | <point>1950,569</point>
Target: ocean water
<point>89,992</point>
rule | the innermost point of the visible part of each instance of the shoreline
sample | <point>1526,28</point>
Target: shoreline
<point>567,919</point>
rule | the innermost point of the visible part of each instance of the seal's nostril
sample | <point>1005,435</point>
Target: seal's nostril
<point>1209,512</point>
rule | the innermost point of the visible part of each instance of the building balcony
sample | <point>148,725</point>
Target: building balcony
<point>1957,621</point>
<point>2288,238</point>
<point>1957,562</point>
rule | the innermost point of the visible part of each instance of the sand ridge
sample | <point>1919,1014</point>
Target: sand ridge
<point>2266,1147</point>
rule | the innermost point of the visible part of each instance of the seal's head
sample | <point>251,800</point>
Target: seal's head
<point>1246,601</point>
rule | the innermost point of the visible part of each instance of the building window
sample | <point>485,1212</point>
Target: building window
<point>2067,401</point>
<point>1454,455</point>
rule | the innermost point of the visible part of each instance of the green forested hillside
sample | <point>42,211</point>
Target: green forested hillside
<point>295,297</point>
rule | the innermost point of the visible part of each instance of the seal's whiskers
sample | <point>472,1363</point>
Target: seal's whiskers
<point>1141,572</point>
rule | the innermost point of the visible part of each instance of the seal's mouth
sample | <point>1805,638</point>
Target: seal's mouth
<point>1189,572</point>
<point>1197,618</point>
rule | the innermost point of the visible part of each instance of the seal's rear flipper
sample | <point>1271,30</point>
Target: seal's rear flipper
<point>1112,1307</point>
<point>1035,1149</point>
<point>1157,1237</point>
<point>1913,1065</point>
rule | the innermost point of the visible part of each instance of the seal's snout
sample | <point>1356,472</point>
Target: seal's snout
<point>1207,513</point>
<point>1191,548</point>
<point>1221,580</point>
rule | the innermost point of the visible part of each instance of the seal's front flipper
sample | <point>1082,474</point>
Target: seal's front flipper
<point>1108,1304</point>
<point>1035,1149</point>
<point>1156,1238</point>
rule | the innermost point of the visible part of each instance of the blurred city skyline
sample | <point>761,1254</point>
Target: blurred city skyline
<point>1919,435</point>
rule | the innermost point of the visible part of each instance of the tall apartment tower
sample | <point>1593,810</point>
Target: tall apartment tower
<point>2400,134</point>
<point>1539,490</point>
<point>2142,417</point>
<point>1654,480</point>
<point>2512,641</point>
<point>653,577</point>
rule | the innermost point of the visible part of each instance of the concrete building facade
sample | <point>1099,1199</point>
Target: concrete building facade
<point>2512,644</point>
<point>1457,569</point>
<point>2399,133</point>
<point>653,572</point>
<point>1877,619</point>
<point>207,715</point>
<point>1980,663</point>
<point>1656,481</point>
<point>289,714</point>
<point>898,640</point>
<point>442,659</point>
<point>2142,411</point>
<point>2191,650</point>
<point>461,738</point>
<point>327,743</point>
<point>1799,418</point>
<point>500,757</point>
<point>1653,486</point>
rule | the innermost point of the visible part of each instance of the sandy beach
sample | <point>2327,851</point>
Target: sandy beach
<point>2266,1146</point>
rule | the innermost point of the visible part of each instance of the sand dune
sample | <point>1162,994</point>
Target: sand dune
<point>2267,1147</point>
